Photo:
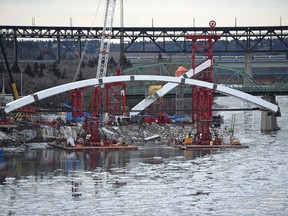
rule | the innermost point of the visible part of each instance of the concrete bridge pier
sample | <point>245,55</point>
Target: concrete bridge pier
<point>79,49</point>
<point>58,49</point>
<point>15,54</point>
<point>269,120</point>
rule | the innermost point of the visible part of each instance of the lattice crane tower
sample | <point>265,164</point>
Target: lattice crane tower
<point>104,54</point>
<point>101,71</point>
<point>106,39</point>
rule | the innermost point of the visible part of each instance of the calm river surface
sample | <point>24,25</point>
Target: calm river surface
<point>156,180</point>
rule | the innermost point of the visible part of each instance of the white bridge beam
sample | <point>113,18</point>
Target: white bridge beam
<point>131,78</point>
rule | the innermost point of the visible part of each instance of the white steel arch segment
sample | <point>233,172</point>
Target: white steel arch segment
<point>147,101</point>
<point>130,78</point>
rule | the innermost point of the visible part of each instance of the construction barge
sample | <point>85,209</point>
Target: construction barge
<point>201,147</point>
<point>112,147</point>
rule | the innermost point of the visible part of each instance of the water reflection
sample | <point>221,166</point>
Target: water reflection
<point>43,161</point>
<point>248,117</point>
<point>80,173</point>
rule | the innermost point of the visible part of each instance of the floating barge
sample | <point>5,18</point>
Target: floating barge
<point>93,148</point>
<point>223,146</point>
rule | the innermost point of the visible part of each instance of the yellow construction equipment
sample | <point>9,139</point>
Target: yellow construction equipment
<point>154,88</point>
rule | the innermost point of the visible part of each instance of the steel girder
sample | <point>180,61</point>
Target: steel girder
<point>164,39</point>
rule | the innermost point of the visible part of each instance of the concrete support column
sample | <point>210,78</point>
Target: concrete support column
<point>269,120</point>
<point>15,54</point>
<point>79,49</point>
<point>58,49</point>
<point>248,68</point>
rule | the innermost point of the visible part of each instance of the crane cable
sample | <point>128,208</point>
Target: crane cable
<point>86,44</point>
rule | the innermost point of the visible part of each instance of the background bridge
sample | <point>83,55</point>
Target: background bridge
<point>227,76</point>
<point>156,39</point>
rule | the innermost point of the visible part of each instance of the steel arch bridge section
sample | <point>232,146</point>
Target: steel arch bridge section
<point>114,79</point>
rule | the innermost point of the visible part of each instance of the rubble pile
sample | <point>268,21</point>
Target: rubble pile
<point>167,133</point>
<point>12,142</point>
<point>15,140</point>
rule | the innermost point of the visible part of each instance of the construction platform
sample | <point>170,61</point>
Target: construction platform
<point>93,148</point>
<point>192,147</point>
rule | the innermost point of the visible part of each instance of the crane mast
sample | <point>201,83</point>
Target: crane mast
<point>101,72</point>
<point>106,39</point>
<point>103,54</point>
<point>101,68</point>
<point>12,83</point>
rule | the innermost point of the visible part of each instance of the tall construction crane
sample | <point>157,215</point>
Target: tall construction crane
<point>77,94</point>
<point>13,87</point>
<point>101,71</point>
<point>92,124</point>
<point>104,53</point>
<point>12,83</point>
<point>106,39</point>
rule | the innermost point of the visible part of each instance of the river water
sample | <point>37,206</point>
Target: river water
<point>155,180</point>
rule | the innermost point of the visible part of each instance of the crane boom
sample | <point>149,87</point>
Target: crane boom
<point>12,83</point>
<point>106,39</point>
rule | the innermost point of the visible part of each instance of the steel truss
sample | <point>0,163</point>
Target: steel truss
<point>164,39</point>
<point>116,97</point>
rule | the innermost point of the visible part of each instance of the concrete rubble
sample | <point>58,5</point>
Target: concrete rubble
<point>16,140</point>
<point>12,143</point>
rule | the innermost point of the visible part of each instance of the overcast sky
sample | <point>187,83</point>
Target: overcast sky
<point>139,13</point>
